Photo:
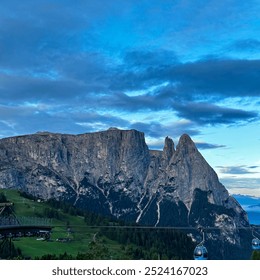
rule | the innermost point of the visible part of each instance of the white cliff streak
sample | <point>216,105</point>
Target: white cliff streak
<point>158,211</point>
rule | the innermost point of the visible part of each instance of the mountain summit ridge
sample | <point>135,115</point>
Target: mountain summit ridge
<point>114,173</point>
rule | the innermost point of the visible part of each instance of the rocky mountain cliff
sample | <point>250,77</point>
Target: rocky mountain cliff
<point>114,173</point>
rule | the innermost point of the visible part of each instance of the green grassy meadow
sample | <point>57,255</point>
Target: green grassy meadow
<point>80,234</point>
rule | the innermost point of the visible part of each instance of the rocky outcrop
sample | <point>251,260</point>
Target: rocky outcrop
<point>114,173</point>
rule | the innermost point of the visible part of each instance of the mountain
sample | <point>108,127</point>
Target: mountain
<point>114,173</point>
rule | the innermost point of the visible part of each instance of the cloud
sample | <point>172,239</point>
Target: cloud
<point>86,83</point>
<point>253,166</point>
<point>206,113</point>
<point>172,129</point>
<point>244,186</point>
<point>32,117</point>
<point>206,146</point>
<point>16,89</point>
<point>93,121</point>
<point>241,169</point>
<point>89,81</point>
<point>148,58</point>
<point>219,78</point>
<point>27,119</point>
<point>245,45</point>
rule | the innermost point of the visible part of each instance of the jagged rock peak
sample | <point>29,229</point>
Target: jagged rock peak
<point>186,144</point>
<point>168,149</point>
<point>185,139</point>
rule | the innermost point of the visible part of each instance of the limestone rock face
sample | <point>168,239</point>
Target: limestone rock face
<point>114,173</point>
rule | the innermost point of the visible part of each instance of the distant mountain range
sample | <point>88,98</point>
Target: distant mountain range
<point>114,173</point>
<point>252,206</point>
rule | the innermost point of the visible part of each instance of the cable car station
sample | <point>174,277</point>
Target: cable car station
<point>12,226</point>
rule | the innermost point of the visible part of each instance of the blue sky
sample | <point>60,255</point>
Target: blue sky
<point>162,67</point>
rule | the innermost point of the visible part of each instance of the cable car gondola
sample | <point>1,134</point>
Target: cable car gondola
<point>255,241</point>
<point>200,252</point>
<point>256,244</point>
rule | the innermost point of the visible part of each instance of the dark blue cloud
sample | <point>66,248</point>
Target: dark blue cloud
<point>207,113</point>
<point>203,80</point>
<point>253,166</point>
<point>218,78</point>
<point>149,59</point>
<point>245,45</point>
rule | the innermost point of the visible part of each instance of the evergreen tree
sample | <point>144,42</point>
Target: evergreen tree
<point>8,250</point>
